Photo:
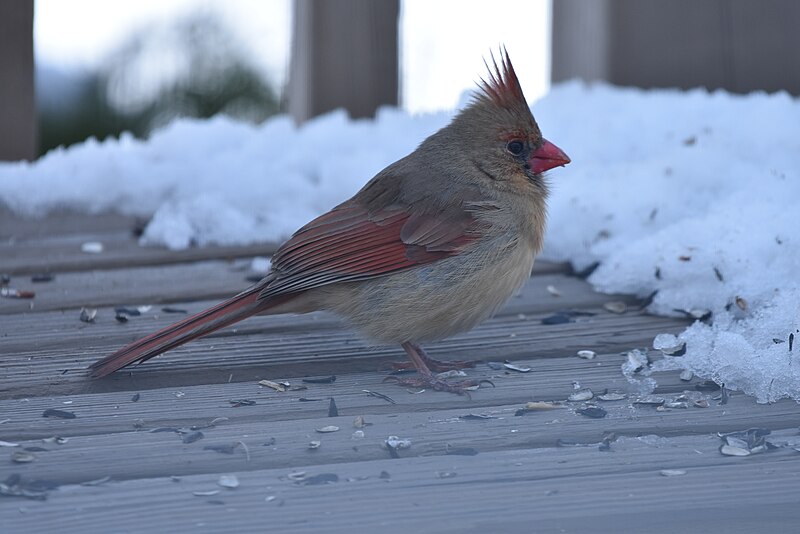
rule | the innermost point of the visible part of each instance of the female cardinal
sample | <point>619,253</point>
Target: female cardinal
<point>430,247</point>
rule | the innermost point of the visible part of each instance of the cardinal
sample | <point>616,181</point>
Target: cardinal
<point>431,246</point>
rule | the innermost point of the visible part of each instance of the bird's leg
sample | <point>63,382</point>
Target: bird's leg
<point>436,366</point>
<point>426,378</point>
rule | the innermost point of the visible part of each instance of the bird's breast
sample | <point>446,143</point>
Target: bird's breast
<point>436,300</point>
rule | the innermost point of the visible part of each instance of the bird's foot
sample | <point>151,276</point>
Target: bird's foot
<point>437,366</point>
<point>462,387</point>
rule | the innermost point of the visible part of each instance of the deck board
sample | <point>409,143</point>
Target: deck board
<point>519,480</point>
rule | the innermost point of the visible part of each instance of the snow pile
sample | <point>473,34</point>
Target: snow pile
<point>691,194</point>
<point>695,196</point>
<point>219,181</point>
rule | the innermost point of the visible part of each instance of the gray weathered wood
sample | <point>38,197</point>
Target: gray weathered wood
<point>344,55</point>
<point>18,123</point>
<point>179,283</point>
<point>730,44</point>
<point>519,481</point>
<point>506,487</point>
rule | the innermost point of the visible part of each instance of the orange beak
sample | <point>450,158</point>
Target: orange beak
<point>546,157</point>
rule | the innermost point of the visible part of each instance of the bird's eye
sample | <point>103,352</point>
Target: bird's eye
<point>515,147</point>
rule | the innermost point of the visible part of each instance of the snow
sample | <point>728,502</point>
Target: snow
<point>690,194</point>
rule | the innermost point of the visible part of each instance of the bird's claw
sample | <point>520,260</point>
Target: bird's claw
<point>462,387</point>
<point>437,366</point>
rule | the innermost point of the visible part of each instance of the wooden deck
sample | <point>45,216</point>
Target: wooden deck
<point>147,447</point>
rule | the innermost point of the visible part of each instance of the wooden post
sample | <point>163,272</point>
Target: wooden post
<point>344,54</point>
<point>738,45</point>
<point>17,106</point>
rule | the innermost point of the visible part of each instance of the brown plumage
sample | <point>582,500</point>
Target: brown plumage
<point>431,246</point>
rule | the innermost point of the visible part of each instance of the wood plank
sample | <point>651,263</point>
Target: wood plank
<point>175,283</point>
<point>507,476</point>
<point>113,410</point>
<point>95,453</point>
<point>565,490</point>
<point>261,352</point>
<point>62,254</point>
<point>61,222</point>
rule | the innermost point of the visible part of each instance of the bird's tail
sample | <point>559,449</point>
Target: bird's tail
<point>226,313</point>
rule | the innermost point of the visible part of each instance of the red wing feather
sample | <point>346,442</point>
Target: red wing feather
<point>351,243</point>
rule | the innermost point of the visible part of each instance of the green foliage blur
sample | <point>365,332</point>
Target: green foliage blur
<point>192,68</point>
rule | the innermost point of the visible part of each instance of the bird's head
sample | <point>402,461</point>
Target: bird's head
<point>498,135</point>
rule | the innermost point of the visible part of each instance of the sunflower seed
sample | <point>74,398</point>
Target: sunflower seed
<point>327,429</point>
<point>650,400</point>
<point>616,306</point>
<point>612,396</point>
<point>729,450</point>
<point>92,247</point>
<point>61,414</point>
<point>672,472</point>
<point>517,368</point>
<point>228,481</point>
<point>88,315</point>
<point>393,442</point>
<point>581,395</point>
<point>595,412</point>
<point>587,354</point>
<point>277,386</point>
<point>22,457</point>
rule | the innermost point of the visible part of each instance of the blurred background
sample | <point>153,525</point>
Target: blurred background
<point>89,68</point>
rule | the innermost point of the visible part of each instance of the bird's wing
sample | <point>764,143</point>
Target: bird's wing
<point>352,242</point>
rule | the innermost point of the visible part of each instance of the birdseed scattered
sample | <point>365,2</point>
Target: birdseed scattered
<point>730,450</point>
<point>235,403</point>
<point>581,395</point>
<point>92,247</point>
<point>616,306</point>
<point>10,293</point>
<point>394,442</point>
<point>97,482</point>
<point>277,386</point>
<point>587,354</point>
<point>517,368</point>
<point>475,417</point>
<point>553,290</point>
<point>191,437</point>
<point>228,481</point>
<point>321,380</point>
<point>672,472</point>
<point>61,414</point>
<point>650,400</point>
<point>595,412</point>
<point>379,395</point>
<point>612,396</point>
<point>22,457</point>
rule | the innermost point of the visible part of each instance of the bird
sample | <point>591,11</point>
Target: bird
<point>431,246</point>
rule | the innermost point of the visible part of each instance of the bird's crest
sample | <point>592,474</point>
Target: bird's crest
<point>503,87</point>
